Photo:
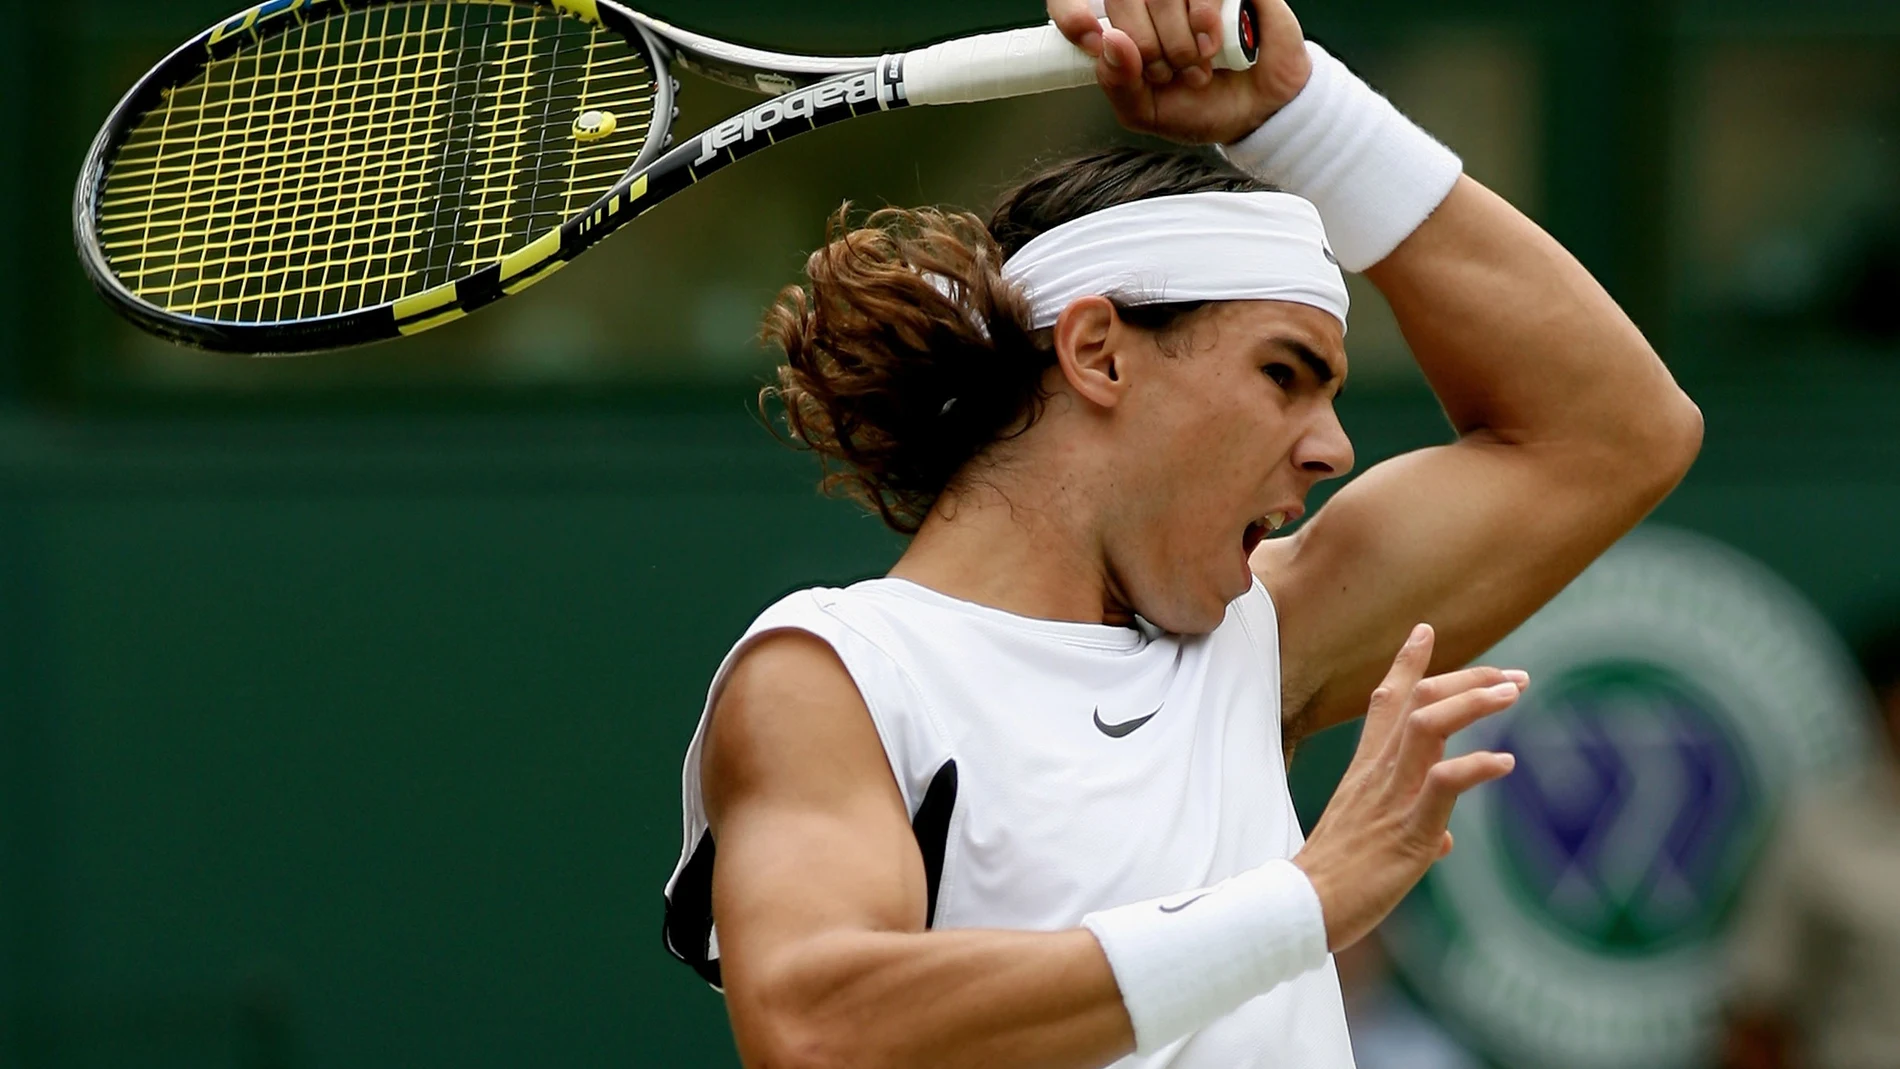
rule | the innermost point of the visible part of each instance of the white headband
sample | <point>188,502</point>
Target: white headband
<point>1190,247</point>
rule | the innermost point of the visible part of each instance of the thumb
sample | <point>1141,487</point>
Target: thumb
<point>1118,72</point>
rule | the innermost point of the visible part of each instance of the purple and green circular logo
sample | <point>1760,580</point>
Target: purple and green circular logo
<point>1679,690</point>
<point>1630,819</point>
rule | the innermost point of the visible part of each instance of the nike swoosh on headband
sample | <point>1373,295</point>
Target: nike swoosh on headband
<point>1123,729</point>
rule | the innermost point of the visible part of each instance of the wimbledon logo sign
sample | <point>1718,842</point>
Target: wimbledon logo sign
<point>1679,691</point>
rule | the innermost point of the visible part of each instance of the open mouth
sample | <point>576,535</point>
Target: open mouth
<point>1258,530</point>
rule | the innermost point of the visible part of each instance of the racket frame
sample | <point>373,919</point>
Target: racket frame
<point>753,69</point>
<point>342,330</point>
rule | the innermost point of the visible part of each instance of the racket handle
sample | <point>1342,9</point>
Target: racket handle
<point>1015,63</point>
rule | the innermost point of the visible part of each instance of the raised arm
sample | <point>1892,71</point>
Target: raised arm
<point>1570,429</point>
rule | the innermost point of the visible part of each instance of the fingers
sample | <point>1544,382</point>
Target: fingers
<point>1422,739</point>
<point>1204,20</point>
<point>1438,688</point>
<point>1446,782</point>
<point>1131,17</point>
<point>1389,704</point>
<point>1393,696</point>
<point>1176,36</point>
<point>1204,26</point>
<point>1078,23</point>
<point>1160,30</point>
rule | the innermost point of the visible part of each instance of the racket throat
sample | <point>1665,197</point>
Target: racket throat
<point>830,101</point>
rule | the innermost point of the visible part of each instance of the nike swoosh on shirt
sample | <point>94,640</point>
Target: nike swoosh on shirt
<point>1116,731</point>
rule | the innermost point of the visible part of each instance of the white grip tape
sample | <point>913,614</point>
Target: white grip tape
<point>1013,63</point>
<point>992,66</point>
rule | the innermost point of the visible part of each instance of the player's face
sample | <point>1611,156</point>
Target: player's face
<point>1237,429</point>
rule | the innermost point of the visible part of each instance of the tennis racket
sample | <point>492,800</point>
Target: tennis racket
<point>316,174</point>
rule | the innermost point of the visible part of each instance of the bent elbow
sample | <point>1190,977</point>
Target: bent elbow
<point>1648,454</point>
<point>1679,439</point>
<point>802,1050</point>
<point>1655,448</point>
<point>788,1041</point>
<point>780,1027</point>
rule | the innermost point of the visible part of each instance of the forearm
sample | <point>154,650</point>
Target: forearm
<point>1135,977</point>
<point>933,999</point>
<point>1520,342</point>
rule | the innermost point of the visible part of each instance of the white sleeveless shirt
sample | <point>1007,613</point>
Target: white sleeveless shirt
<point>1053,769</point>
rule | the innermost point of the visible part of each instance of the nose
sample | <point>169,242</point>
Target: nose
<point>1324,451</point>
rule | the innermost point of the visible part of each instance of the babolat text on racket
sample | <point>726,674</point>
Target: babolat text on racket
<point>314,174</point>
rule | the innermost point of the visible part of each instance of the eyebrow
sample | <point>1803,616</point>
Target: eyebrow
<point>1321,368</point>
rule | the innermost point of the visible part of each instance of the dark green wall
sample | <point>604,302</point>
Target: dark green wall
<point>356,742</point>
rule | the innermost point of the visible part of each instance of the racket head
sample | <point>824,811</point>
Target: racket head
<point>315,174</point>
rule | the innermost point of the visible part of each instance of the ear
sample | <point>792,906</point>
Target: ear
<point>1088,340</point>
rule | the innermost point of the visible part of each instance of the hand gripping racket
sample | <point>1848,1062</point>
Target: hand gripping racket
<point>314,174</point>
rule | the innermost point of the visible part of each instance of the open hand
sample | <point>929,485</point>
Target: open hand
<point>1387,821</point>
<point>1154,63</point>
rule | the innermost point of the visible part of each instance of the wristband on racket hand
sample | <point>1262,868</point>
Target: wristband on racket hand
<point>1184,961</point>
<point>1373,173</point>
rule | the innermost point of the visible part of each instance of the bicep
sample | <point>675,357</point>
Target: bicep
<point>811,830</point>
<point>1471,538</point>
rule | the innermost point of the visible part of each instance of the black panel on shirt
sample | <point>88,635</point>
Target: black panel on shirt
<point>688,926</point>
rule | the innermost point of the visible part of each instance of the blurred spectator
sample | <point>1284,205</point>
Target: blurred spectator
<point>1389,1031</point>
<point>1816,970</point>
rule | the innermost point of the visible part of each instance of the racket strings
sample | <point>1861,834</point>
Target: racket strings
<point>356,159</point>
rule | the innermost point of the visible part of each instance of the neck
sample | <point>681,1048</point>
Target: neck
<point>1033,550</point>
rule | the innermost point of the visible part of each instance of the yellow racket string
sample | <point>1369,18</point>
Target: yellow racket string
<point>367,156</point>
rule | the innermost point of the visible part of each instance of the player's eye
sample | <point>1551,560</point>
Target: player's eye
<point>1282,374</point>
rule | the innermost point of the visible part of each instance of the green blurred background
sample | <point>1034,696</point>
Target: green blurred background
<point>342,698</point>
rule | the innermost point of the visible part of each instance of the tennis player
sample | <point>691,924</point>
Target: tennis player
<point>1023,802</point>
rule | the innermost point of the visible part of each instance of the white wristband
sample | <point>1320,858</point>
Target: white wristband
<point>1373,173</point>
<point>1186,960</point>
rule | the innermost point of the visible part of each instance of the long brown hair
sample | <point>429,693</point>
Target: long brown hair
<point>907,354</point>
